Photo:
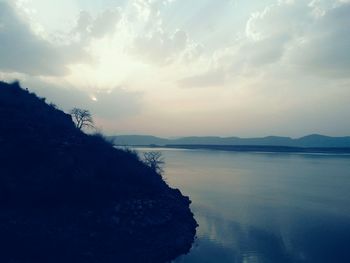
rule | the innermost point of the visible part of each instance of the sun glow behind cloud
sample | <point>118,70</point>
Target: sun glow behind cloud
<point>205,67</point>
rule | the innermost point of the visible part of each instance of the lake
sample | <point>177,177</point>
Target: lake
<point>264,207</point>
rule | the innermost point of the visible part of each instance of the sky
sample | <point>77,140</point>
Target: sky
<point>179,67</point>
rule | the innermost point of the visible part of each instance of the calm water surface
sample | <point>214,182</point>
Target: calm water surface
<point>264,207</point>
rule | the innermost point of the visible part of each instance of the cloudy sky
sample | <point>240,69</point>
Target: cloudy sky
<point>179,67</point>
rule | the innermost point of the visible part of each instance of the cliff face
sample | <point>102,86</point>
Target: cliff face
<point>70,197</point>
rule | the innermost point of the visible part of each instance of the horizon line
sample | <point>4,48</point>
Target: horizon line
<point>225,137</point>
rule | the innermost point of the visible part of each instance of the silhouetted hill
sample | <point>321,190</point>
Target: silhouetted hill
<point>313,140</point>
<point>66,196</point>
<point>138,140</point>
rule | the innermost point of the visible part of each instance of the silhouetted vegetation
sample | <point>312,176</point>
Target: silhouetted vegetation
<point>155,161</point>
<point>82,118</point>
<point>66,196</point>
<point>132,153</point>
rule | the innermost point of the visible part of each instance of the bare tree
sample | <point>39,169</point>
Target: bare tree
<point>82,118</point>
<point>154,160</point>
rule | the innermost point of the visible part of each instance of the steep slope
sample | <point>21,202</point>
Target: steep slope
<point>70,197</point>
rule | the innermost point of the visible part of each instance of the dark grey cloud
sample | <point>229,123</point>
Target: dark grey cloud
<point>23,51</point>
<point>253,54</point>
<point>299,34</point>
<point>326,49</point>
<point>291,35</point>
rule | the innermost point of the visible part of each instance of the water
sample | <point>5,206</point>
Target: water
<point>264,207</point>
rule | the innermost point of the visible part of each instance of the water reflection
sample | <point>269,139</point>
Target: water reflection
<point>265,207</point>
<point>221,240</point>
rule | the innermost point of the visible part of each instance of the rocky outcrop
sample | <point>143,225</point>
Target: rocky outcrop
<point>70,197</point>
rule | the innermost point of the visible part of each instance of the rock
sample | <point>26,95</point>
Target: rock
<point>66,196</point>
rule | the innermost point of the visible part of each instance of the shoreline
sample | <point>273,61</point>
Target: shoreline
<point>67,196</point>
<point>251,148</point>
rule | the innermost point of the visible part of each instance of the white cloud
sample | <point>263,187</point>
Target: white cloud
<point>259,59</point>
<point>160,47</point>
<point>288,35</point>
<point>103,24</point>
<point>296,37</point>
<point>153,43</point>
<point>21,50</point>
<point>284,18</point>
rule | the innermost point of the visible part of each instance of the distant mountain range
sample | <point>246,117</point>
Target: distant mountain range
<point>313,140</point>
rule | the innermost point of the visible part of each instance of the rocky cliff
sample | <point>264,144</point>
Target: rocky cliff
<point>66,196</point>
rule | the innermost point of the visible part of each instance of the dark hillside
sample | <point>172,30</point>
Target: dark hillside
<point>66,196</point>
<point>313,141</point>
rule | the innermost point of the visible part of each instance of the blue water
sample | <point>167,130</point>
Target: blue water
<point>264,207</point>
